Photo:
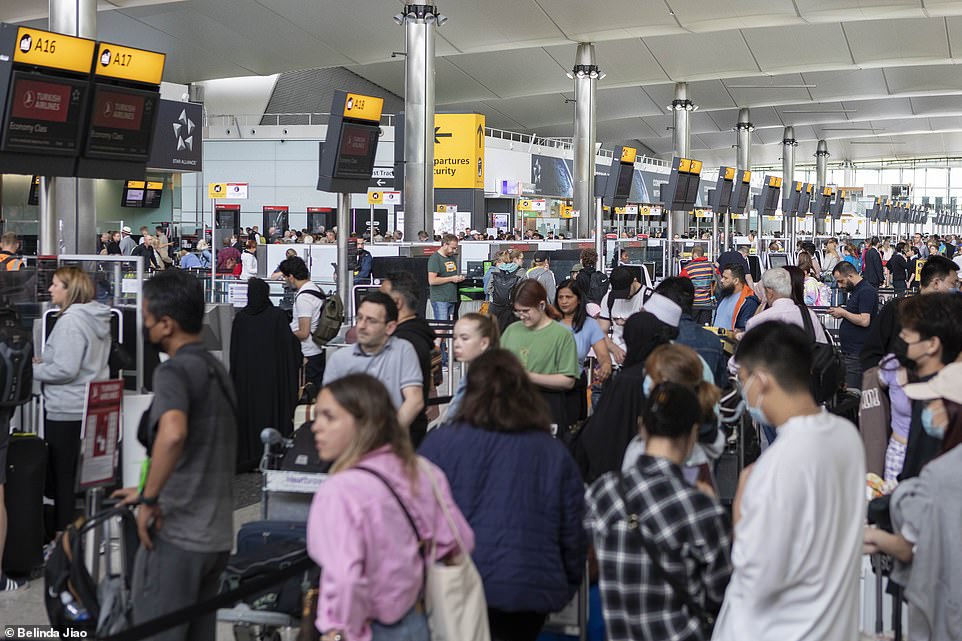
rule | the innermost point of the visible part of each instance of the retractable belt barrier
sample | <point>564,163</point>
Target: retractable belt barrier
<point>179,617</point>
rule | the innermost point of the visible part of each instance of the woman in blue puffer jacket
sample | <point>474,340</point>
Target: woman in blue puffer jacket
<point>520,491</point>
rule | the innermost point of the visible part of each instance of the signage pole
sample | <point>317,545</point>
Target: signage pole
<point>344,280</point>
<point>714,231</point>
<point>599,231</point>
<point>371,225</point>
<point>213,248</point>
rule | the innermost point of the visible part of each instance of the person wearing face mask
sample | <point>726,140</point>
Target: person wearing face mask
<point>185,506</point>
<point>688,532</point>
<point>939,274</point>
<point>474,334</point>
<point>860,308</point>
<point>799,509</point>
<point>930,339</point>
<point>926,512</point>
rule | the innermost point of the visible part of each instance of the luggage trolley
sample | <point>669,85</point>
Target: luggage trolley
<point>286,496</point>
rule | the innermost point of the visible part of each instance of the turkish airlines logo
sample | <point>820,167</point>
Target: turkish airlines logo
<point>184,132</point>
<point>29,98</point>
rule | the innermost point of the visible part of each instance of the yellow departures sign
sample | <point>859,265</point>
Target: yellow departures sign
<point>54,50</point>
<point>128,63</point>
<point>458,151</point>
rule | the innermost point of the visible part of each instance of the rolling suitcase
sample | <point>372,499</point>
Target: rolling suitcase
<point>26,475</point>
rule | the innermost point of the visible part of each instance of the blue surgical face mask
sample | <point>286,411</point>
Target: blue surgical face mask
<point>935,431</point>
<point>755,411</point>
<point>648,385</point>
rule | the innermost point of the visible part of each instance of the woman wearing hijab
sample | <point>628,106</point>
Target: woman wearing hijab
<point>602,442</point>
<point>264,357</point>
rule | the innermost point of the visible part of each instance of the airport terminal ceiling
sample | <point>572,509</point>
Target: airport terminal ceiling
<point>878,79</point>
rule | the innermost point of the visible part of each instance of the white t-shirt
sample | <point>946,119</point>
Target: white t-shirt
<point>621,309</point>
<point>307,306</point>
<point>798,545</point>
<point>248,265</point>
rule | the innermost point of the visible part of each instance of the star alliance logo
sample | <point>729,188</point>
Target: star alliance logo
<point>184,132</point>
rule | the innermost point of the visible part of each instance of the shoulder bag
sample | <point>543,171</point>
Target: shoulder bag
<point>705,618</point>
<point>454,598</point>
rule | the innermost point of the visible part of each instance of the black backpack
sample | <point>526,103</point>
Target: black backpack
<point>597,287</point>
<point>828,368</point>
<point>502,286</point>
<point>16,358</point>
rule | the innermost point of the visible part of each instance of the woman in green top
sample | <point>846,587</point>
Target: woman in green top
<point>545,347</point>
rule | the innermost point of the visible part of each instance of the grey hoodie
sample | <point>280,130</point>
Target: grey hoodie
<point>75,354</point>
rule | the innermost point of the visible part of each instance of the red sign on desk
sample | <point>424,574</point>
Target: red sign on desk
<point>101,434</point>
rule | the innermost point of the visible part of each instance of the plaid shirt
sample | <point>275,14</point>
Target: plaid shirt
<point>690,528</point>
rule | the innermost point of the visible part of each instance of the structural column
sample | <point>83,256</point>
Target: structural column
<point>788,177</point>
<point>743,132</point>
<point>681,107</point>
<point>419,21</point>
<point>821,179</point>
<point>68,214</point>
<point>586,75</point>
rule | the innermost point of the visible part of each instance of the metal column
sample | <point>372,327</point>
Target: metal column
<point>585,74</point>
<point>821,179</point>
<point>68,214</point>
<point>743,133</point>
<point>788,183</point>
<point>344,279</point>
<point>681,106</point>
<point>419,22</point>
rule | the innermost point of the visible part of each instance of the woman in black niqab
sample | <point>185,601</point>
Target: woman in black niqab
<point>264,360</point>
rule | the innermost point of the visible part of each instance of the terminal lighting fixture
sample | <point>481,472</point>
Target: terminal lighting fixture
<point>586,71</point>
<point>424,12</point>
<point>682,105</point>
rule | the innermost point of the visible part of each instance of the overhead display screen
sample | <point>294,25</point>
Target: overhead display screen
<point>355,152</point>
<point>121,123</point>
<point>153,194</point>
<point>133,195</point>
<point>43,114</point>
<point>626,173</point>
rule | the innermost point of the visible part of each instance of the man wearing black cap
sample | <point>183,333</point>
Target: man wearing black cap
<point>542,273</point>
<point>623,299</point>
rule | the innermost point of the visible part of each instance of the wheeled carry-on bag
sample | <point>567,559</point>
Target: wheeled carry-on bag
<point>23,494</point>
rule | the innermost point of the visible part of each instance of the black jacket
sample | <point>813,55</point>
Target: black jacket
<point>882,332</point>
<point>872,268</point>
<point>417,332</point>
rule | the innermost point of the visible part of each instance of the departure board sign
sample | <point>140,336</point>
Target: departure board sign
<point>133,195</point>
<point>44,114</point>
<point>53,50</point>
<point>128,63</point>
<point>153,193</point>
<point>121,123</point>
<point>347,155</point>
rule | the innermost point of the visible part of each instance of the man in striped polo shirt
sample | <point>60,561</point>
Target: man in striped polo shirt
<point>702,275</point>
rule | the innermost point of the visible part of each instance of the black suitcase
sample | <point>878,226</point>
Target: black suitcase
<point>257,534</point>
<point>26,474</point>
<point>302,456</point>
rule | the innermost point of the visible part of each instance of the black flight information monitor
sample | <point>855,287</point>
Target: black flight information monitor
<point>347,155</point>
<point>121,123</point>
<point>45,114</point>
<point>356,147</point>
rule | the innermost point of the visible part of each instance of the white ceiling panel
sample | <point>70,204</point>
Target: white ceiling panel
<point>946,122</point>
<point>519,72</point>
<point>703,55</point>
<point>494,25</point>
<point>618,18</point>
<point>924,79</point>
<point>707,94</point>
<point>612,131</point>
<point>943,7</point>
<point>493,117</point>
<point>835,10</point>
<point>884,108</point>
<point>711,15</point>
<point>898,41</point>
<point>624,102</point>
<point>624,61</point>
<point>936,105</point>
<point>718,140</point>
<point>782,48</point>
<point>451,85</point>
<point>535,111</point>
<point>759,116</point>
<point>844,83</point>
<point>766,89</point>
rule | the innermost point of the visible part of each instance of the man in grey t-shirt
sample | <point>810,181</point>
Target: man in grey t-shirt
<point>185,513</point>
<point>392,361</point>
<point>542,273</point>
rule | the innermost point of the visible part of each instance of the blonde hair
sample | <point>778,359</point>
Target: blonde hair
<point>80,289</point>
<point>680,364</point>
<point>366,399</point>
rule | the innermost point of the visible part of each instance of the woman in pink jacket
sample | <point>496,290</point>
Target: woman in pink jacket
<point>361,529</point>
